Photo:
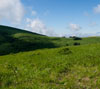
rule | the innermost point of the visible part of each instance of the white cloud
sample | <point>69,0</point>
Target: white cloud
<point>38,26</point>
<point>28,20</point>
<point>97,9</point>
<point>34,13</point>
<point>74,27</point>
<point>11,10</point>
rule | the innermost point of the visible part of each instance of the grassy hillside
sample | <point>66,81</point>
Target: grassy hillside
<point>61,41</point>
<point>61,68</point>
<point>13,40</point>
<point>35,61</point>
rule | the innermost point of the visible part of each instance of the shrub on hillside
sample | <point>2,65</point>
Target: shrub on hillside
<point>75,38</point>
<point>67,44</point>
<point>76,43</point>
<point>65,51</point>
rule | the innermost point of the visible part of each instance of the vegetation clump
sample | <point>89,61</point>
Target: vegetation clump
<point>76,43</point>
<point>75,38</point>
<point>65,51</point>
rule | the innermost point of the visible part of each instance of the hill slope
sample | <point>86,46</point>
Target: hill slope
<point>14,40</point>
<point>75,65</point>
<point>60,68</point>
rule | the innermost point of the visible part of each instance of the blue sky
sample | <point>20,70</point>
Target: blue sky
<point>60,17</point>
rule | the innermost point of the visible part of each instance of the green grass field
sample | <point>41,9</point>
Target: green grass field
<point>58,64</point>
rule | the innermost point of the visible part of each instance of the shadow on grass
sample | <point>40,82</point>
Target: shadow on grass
<point>16,45</point>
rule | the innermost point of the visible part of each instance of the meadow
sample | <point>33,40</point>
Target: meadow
<point>61,63</point>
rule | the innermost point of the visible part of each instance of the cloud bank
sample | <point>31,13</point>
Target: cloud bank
<point>74,27</point>
<point>11,10</point>
<point>34,13</point>
<point>36,25</point>
<point>97,9</point>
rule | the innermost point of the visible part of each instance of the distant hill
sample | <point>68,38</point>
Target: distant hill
<point>13,40</point>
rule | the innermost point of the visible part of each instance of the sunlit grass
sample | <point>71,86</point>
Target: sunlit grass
<point>52,69</point>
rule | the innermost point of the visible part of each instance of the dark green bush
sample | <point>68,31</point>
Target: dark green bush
<point>65,51</point>
<point>76,43</point>
<point>77,38</point>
